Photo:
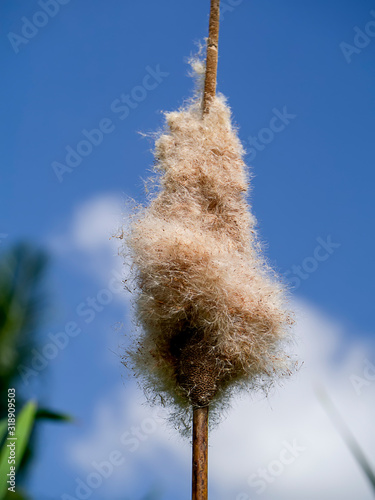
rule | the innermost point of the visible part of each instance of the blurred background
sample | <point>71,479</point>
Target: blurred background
<point>80,80</point>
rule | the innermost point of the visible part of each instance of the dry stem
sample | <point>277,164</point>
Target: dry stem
<point>200,414</point>
<point>212,55</point>
<point>200,452</point>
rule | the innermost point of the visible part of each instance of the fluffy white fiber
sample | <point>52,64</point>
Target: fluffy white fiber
<point>212,313</point>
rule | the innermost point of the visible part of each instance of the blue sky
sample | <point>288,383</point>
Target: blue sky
<point>313,180</point>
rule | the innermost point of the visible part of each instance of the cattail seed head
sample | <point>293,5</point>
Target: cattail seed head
<point>212,312</point>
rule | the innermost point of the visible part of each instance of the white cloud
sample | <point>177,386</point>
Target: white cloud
<point>91,226</point>
<point>325,469</point>
<point>255,432</point>
<point>253,435</point>
<point>96,222</point>
<point>89,243</point>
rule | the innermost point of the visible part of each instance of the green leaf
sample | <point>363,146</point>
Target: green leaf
<point>18,495</point>
<point>3,428</point>
<point>24,424</point>
<point>45,413</point>
<point>346,435</point>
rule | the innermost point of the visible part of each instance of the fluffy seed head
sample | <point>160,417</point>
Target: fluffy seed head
<point>212,313</point>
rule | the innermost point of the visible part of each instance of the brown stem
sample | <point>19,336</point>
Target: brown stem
<point>200,414</point>
<point>200,453</point>
<point>212,55</point>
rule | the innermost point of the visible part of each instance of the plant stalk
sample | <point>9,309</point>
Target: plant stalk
<point>200,453</point>
<point>212,55</point>
<point>200,414</point>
